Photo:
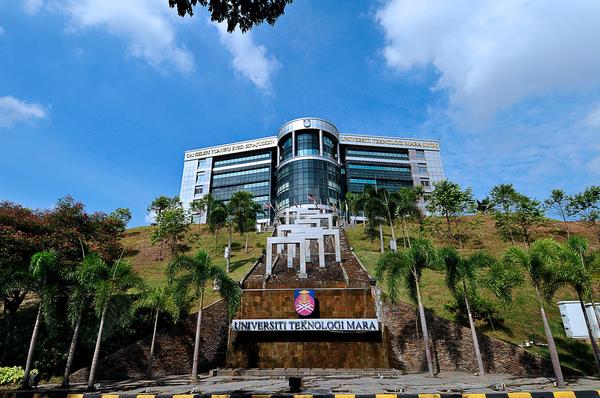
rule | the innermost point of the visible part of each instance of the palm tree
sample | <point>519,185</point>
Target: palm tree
<point>44,272</point>
<point>537,261</point>
<point>243,208</point>
<point>115,279</point>
<point>157,299</point>
<point>462,279</point>
<point>352,200</point>
<point>404,268</point>
<point>407,204</point>
<point>590,259</point>
<point>374,201</point>
<point>83,280</point>
<point>571,271</point>
<point>216,220</point>
<point>187,272</point>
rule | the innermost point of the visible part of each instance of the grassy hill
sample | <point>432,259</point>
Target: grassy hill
<point>521,319</point>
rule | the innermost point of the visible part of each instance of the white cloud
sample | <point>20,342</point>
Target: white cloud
<point>13,111</point>
<point>593,118</point>
<point>492,54</point>
<point>249,59</point>
<point>148,26</point>
<point>31,7</point>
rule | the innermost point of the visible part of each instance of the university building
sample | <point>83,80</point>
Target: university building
<point>308,161</point>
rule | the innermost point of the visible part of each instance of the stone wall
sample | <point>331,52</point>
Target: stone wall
<point>173,352</point>
<point>307,349</point>
<point>452,347</point>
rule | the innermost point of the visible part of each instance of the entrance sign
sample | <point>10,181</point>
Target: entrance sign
<point>292,325</point>
<point>304,301</point>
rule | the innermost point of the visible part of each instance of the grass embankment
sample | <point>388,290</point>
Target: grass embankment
<point>522,320</point>
<point>145,256</point>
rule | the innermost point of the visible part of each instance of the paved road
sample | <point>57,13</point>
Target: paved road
<point>413,383</point>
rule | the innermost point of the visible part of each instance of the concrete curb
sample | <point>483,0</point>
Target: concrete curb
<point>545,394</point>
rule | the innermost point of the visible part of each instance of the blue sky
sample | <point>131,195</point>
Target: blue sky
<point>100,98</point>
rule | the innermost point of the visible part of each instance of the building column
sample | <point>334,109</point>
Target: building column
<point>302,245</point>
<point>293,144</point>
<point>278,155</point>
<point>269,260</point>
<point>321,142</point>
<point>339,155</point>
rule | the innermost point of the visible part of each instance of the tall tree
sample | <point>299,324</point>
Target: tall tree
<point>193,273</point>
<point>448,200</point>
<point>160,204</point>
<point>217,219</point>
<point>45,274</point>
<point>83,281</point>
<point>243,208</point>
<point>171,226</point>
<point>503,201</point>
<point>158,300</point>
<point>352,200</point>
<point>202,206</point>
<point>528,215</point>
<point>463,280</point>
<point>557,204</point>
<point>114,280</point>
<point>378,209</point>
<point>404,269</point>
<point>407,208</point>
<point>590,260</point>
<point>237,13</point>
<point>22,233</point>
<point>538,261</point>
<point>586,205</point>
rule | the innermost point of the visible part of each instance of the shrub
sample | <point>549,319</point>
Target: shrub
<point>11,376</point>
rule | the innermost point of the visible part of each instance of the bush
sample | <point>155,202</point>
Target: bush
<point>13,375</point>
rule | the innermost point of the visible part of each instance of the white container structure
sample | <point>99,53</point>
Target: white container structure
<point>574,322</point>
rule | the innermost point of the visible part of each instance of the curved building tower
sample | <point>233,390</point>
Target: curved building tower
<point>308,168</point>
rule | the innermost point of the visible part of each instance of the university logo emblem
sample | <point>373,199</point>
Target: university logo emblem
<point>304,301</point>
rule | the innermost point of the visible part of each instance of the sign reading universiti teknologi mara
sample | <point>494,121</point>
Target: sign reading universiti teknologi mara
<point>298,325</point>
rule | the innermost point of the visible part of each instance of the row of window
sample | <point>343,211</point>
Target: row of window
<point>356,152</point>
<point>378,168</point>
<point>245,159</point>
<point>241,173</point>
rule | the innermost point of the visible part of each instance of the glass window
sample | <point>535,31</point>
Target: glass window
<point>420,154</point>
<point>199,176</point>
<point>329,148</point>
<point>307,143</point>
<point>377,154</point>
<point>241,173</point>
<point>198,190</point>
<point>245,159</point>
<point>422,168</point>
<point>378,168</point>
<point>286,148</point>
<point>424,182</point>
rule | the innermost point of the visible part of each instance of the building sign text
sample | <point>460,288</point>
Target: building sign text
<point>302,325</point>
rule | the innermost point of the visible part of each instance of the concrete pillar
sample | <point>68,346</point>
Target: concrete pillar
<point>302,245</point>
<point>339,156</point>
<point>322,252</point>
<point>278,155</point>
<point>291,253</point>
<point>293,144</point>
<point>338,253</point>
<point>321,142</point>
<point>269,261</point>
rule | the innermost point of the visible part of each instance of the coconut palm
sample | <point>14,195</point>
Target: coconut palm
<point>352,203</point>
<point>46,277</point>
<point>463,279</point>
<point>571,271</point>
<point>538,261</point>
<point>403,269</point>
<point>83,280</point>
<point>193,273</point>
<point>407,207</point>
<point>113,280</point>
<point>157,299</point>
